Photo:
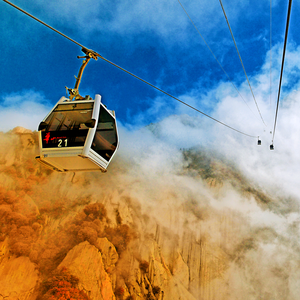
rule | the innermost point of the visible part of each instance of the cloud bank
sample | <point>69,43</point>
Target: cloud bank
<point>25,109</point>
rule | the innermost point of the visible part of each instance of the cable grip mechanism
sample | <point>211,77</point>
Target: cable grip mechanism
<point>74,93</point>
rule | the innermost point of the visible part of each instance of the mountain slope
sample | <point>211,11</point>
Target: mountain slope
<point>180,225</point>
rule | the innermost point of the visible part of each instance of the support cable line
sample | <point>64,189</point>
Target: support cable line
<point>124,70</point>
<point>162,91</point>
<point>214,55</point>
<point>270,54</point>
<point>282,64</point>
<point>241,62</point>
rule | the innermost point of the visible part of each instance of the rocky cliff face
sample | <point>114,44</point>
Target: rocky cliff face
<point>196,230</point>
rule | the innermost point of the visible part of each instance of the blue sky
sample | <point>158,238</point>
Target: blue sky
<point>156,41</point>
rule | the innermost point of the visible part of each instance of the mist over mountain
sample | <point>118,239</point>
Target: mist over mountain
<point>165,222</point>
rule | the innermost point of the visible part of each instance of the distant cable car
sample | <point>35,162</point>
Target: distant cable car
<point>80,134</point>
<point>259,142</point>
<point>271,147</point>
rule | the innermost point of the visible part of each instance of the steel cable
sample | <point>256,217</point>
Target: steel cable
<point>270,54</point>
<point>214,55</point>
<point>241,62</point>
<point>282,64</point>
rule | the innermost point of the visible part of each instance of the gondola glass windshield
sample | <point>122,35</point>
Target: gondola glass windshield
<point>105,140</point>
<point>67,125</point>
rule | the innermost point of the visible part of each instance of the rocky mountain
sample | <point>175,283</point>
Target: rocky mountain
<point>188,226</point>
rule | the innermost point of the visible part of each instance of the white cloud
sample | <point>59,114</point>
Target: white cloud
<point>182,128</point>
<point>283,164</point>
<point>25,109</point>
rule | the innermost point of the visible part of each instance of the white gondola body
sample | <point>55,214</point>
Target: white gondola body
<point>82,148</point>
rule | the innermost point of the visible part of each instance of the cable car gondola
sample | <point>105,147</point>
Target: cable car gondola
<point>79,134</point>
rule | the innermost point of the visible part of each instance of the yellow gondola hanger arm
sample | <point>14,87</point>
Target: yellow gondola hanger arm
<point>75,92</point>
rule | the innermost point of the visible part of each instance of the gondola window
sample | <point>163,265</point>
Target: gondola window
<point>105,140</point>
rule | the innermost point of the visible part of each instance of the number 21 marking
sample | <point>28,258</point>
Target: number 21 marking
<point>60,143</point>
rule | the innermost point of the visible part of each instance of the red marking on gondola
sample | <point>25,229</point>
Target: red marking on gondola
<point>47,137</point>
